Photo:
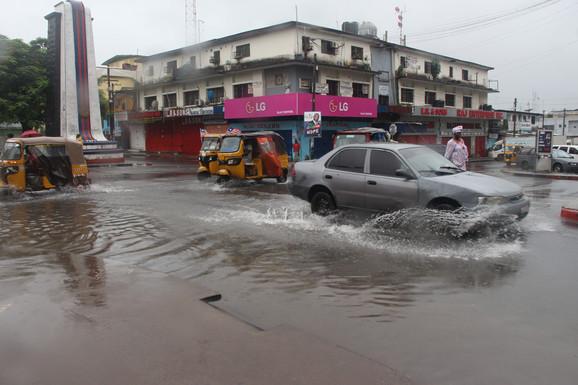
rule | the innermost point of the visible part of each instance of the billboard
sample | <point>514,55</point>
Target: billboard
<point>312,123</point>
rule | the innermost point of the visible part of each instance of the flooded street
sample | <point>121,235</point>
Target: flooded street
<point>414,291</point>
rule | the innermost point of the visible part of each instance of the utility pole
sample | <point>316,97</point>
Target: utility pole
<point>313,91</point>
<point>110,103</point>
<point>515,117</point>
<point>564,123</point>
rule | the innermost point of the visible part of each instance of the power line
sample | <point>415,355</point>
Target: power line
<point>481,23</point>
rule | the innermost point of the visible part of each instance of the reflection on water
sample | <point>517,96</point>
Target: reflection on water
<point>257,243</point>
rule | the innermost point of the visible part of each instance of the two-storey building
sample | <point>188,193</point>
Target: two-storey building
<point>430,93</point>
<point>260,79</point>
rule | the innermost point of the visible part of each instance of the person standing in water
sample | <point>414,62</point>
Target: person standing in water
<point>456,149</point>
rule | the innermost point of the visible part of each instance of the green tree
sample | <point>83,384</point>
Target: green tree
<point>23,82</point>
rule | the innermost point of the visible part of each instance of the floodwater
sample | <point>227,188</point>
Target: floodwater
<point>443,298</point>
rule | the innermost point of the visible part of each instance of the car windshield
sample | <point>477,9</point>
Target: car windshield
<point>344,139</point>
<point>560,154</point>
<point>210,144</point>
<point>428,162</point>
<point>11,151</point>
<point>230,144</point>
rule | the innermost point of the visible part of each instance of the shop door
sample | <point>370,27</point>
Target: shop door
<point>324,144</point>
<point>481,147</point>
<point>191,139</point>
<point>288,138</point>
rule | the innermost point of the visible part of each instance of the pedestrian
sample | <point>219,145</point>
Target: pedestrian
<point>296,150</point>
<point>456,149</point>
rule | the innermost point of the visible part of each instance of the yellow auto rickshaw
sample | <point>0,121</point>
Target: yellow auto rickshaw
<point>41,163</point>
<point>253,156</point>
<point>208,161</point>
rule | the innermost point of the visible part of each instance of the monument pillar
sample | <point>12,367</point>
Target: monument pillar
<point>73,105</point>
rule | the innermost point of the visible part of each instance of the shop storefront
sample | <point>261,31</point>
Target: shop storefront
<point>434,125</point>
<point>284,114</point>
<point>174,130</point>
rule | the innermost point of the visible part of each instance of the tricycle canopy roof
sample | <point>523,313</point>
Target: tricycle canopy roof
<point>73,148</point>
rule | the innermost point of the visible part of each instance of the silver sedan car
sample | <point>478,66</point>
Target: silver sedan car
<point>388,177</point>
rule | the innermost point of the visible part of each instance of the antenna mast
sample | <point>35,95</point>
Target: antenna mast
<point>399,18</point>
<point>191,22</point>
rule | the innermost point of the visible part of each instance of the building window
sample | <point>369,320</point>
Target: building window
<point>465,75</point>
<point>242,51</point>
<point>451,72</point>
<point>306,44</point>
<point>191,98</point>
<point>215,95</point>
<point>305,83</point>
<point>193,60</point>
<point>171,67</point>
<point>150,70</point>
<point>128,66</point>
<point>430,98</point>
<point>403,62</point>
<point>383,100</point>
<point>216,58</point>
<point>243,90</point>
<point>407,95</point>
<point>150,103</point>
<point>328,47</point>
<point>169,100</point>
<point>360,90</point>
<point>467,102</point>
<point>450,100</point>
<point>356,53</point>
<point>333,87</point>
<point>428,67</point>
<point>533,120</point>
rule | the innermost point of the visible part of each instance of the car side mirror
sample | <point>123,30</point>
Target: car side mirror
<point>403,173</point>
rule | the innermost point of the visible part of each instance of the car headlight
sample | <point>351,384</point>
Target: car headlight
<point>491,200</point>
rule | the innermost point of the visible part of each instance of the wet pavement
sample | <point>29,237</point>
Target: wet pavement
<point>439,306</point>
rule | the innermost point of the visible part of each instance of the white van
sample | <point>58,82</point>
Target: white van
<point>569,148</point>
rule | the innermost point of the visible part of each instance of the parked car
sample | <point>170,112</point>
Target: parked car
<point>386,177</point>
<point>569,148</point>
<point>563,162</point>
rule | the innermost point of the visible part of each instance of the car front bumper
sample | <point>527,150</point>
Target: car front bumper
<point>519,208</point>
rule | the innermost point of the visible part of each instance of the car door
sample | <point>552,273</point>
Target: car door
<point>385,190</point>
<point>344,175</point>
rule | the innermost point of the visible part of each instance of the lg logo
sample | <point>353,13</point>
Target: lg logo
<point>258,107</point>
<point>338,106</point>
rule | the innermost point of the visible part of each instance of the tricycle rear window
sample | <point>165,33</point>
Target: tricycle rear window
<point>230,144</point>
<point>210,144</point>
<point>11,151</point>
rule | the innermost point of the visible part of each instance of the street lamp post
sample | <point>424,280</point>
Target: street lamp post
<point>313,91</point>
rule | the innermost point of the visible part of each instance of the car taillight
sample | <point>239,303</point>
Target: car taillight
<point>293,172</point>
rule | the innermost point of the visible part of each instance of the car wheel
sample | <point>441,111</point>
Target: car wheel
<point>322,203</point>
<point>223,179</point>
<point>525,165</point>
<point>557,167</point>
<point>445,206</point>
<point>283,178</point>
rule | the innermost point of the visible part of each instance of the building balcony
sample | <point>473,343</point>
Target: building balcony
<point>405,73</point>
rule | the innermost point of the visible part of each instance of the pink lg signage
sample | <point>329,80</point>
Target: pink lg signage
<point>346,107</point>
<point>297,104</point>
<point>262,106</point>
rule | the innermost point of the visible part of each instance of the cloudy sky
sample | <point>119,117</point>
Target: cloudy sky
<point>534,51</point>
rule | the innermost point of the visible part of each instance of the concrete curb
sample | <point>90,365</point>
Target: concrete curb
<point>541,174</point>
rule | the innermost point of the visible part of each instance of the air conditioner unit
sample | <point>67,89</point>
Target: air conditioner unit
<point>438,103</point>
<point>237,55</point>
<point>213,60</point>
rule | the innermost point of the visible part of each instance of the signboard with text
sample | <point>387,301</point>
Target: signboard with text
<point>544,142</point>
<point>456,113</point>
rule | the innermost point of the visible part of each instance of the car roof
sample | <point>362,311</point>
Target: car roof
<point>361,130</point>
<point>385,146</point>
<point>41,140</point>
